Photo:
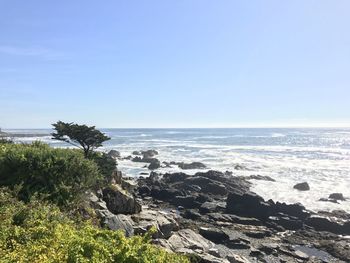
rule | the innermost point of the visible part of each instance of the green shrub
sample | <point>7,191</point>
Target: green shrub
<point>58,175</point>
<point>39,232</point>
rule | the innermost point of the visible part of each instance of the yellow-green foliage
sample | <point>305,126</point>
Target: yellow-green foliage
<point>58,175</point>
<point>39,232</point>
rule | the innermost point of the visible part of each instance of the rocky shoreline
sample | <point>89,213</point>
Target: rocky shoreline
<point>215,217</point>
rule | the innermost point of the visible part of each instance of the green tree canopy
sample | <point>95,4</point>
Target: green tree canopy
<point>82,136</point>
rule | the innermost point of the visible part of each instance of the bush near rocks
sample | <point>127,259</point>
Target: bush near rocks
<point>39,232</point>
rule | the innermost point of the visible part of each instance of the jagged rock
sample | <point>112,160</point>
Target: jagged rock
<point>96,202</point>
<point>295,210</point>
<point>129,185</point>
<point>119,201</point>
<point>209,207</point>
<point>193,165</point>
<point>116,222</point>
<point>337,196</point>
<point>113,154</point>
<point>249,205</point>
<point>235,219</point>
<point>302,186</point>
<point>214,235</point>
<point>237,259</point>
<point>163,221</point>
<point>206,185</point>
<point>187,238</point>
<point>191,214</point>
<point>320,223</point>
<point>136,153</point>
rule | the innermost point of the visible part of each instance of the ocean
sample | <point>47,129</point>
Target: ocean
<point>320,157</point>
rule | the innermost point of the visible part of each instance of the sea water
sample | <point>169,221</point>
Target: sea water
<point>320,157</point>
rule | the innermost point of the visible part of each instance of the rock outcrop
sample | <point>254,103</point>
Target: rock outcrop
<point>302,186</point>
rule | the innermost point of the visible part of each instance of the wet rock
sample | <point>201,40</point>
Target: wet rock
<point>155,164</point>
<point>193,165</point>
<point>149,153</point>
<point>296,210</point>
<point>320,223</point>
<point>328,200</point>
<point>113,154</point>
<point>302,186</point>
<point>261,177</point>
<point>337,196</point>
<point>119,201</point>
<point>136,153</point>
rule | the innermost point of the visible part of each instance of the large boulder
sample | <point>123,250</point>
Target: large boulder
<point>119,201</point>
<point>302,186</point>
<point>337,196</point>
<point>249,205</point>
<point>116,222</point>
<point>165,222</point>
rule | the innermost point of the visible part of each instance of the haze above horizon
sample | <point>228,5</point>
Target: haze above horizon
<point>172,64</point>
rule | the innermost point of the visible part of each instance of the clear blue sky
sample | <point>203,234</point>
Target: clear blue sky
<point>179,63</point>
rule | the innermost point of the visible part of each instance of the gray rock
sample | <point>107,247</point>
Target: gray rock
<point>261,177</point>
<point>119,201</point>
<point>155,164</point>
<point>165,222</point>
<point>213,234</point>
<point>193,165</point>
<point>302,186</point>
<point>337,196</point>
<point>116,222</point>
<point>113,154</point>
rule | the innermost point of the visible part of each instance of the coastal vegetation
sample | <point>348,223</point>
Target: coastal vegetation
<point>42,211</point>
<point>38,231</point>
